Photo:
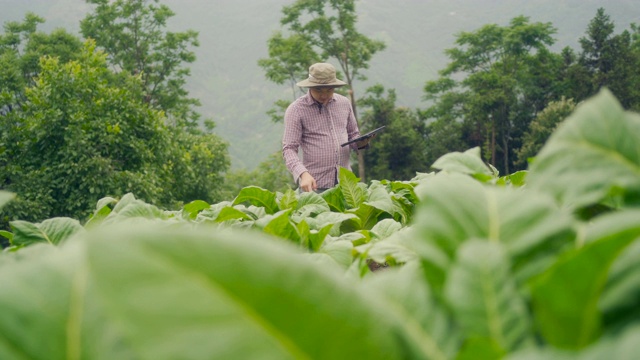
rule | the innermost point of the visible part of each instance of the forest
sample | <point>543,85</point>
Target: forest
<point>498,221</point>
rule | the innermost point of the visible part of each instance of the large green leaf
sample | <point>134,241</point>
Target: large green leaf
<point>103,209</point>
<point>147,293</point>
<point>593,154</point>
<point>565,298</point>
<point>231,213</point>
<point>310,204</point>
<point>394,249</point>
<point>483,295</point>
<point>354,192</point>
<point>280,225</point>
<point>380,199</point>
<point>193,208</point>
<point>468,162</point>
<point>257,196</point>
<point>386,228</point>
<point>429,323</point>
<point>617,345</point>
<point>326,218</point>
<point>335,199</point>
<point>455,208</point>
<point>367,214</point>
<point>52,231</point>
<point>288,200</point>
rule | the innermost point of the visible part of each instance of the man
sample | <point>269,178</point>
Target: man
<point>319,122</point>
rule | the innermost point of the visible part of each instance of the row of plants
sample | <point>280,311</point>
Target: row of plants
<point>537,264</point>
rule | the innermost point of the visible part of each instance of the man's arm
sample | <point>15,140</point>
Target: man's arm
<point>290,144</point>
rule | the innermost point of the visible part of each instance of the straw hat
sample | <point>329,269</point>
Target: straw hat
<point>321,74</point>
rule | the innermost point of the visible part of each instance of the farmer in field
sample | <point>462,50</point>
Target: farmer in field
<point>319,122</point>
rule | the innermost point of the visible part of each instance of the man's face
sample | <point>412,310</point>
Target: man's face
<point>322,94</point>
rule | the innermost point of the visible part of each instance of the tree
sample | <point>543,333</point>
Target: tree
<point>610,59</point>
<point>321,29</point>
<point>400,150</point>
<point>84,133</point>
<point>21,47</point>
<point>80,137</point>
<point>541,128</point>
<point>132,34</point>
<point>497,95</point>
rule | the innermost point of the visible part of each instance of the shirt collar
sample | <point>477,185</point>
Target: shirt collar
<point>309,100</point>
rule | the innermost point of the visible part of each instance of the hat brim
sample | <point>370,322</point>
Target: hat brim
<point>309,84</point>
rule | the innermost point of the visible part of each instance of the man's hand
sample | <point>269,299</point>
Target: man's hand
<point>307,182</point>
<point>365,143</point>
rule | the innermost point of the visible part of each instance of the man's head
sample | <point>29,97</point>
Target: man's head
<point>321,75</point>
<point>322,82</point>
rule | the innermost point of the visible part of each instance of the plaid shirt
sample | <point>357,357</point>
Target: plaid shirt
<point>319,131</point>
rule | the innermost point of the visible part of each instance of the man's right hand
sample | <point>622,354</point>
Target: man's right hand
<point>307,182</point>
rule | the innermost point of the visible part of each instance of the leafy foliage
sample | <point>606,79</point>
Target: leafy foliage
<point>132,34</point>
<point>400,150</point>
<point>72,127</point>
<point>474,265</point>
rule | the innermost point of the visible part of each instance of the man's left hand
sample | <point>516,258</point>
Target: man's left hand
<point>364,144</point>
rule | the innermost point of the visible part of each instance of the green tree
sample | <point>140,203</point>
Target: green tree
<point>320,29</point>
<point>541,128</point>
<point>82,134</point>
<point>21,47</point>
<point>133,33</point>
<point>400,150</point>
<point>492,101</point>
<point>610,59</point>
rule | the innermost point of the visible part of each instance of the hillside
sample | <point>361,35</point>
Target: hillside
<point>233,36</point>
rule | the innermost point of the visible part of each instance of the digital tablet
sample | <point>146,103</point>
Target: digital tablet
<point>365,136</point>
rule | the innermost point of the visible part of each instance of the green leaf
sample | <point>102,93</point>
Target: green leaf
<point>102,211</point>
<point>484,297</point>
<point>52,231</point>
<point>311,204</point>
<point>621,345</point>
<point>386,228</point>
<point>7,235</point>
<point>230,213</point>
<point>517,179</point>
<point>258,197</point>
<point>468,162</point>
<point>193,208</point>
<point>456,208</point>
<point>593,155</point>
<point>351,188</point>
<point>289,200</point>
<point>620,299</point>
<point>393,249</point>
<point>317,237</point>
<point>380,199</point>
<point>408,292</point>
<point>367,214</point>
<point>328,218</point>
<point>565,298</point>
<point>339,251</point>
<point>5,197</point>
<point>334,199</point>
<point>480,349</point>
<point>280,225</point>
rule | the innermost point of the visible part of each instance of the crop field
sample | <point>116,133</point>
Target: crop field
<point>460,263</point>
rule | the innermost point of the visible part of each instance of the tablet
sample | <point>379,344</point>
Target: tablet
<point>365,136</point>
